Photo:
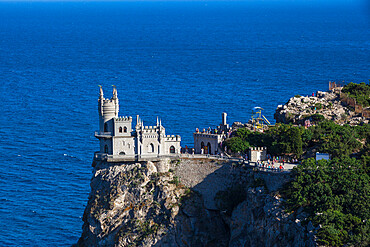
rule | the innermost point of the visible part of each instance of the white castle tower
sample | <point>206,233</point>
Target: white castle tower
<point>118,142</point>
<point>108,109</point>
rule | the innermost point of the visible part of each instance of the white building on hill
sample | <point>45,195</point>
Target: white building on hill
<point>119,142</point>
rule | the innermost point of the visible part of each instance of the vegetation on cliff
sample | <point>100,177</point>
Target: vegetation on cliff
<point>360,92</point>
<point>336,139</point>
<point>336,194</point>
<point>287,139</point>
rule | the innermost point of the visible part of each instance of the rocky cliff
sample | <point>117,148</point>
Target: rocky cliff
<point>327,104</point>
<point>189,203</point>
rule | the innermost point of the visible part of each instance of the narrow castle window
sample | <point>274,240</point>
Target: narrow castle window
<point>172,149</point>
<point>120,130</point>
<point>125,129</point>
<point>106,127</point>
<point>151,148</point>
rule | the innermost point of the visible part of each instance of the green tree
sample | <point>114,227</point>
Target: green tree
<point>237,144</point>
<point>336,194</point>
<point>360,92</point>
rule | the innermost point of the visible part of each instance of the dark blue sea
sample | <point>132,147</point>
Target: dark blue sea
<point>185,62</point>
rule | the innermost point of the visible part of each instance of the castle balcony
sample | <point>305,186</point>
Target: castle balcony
<point>113,158</point>
<point>128,158</point>
<point>99,134</point>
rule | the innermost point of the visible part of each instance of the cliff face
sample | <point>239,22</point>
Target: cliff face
<point>187,204</point>
<point>261,221</point>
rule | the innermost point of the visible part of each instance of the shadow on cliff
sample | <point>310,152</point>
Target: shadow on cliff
<point>199,221</point>
<point>204,216</point>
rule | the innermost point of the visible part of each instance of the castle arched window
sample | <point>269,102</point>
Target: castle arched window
<point>106,149</point>
<point>122,153</point>
<point>209,148</point>
<point>120,130</point>
<point>172,150</point>
<point>151,148</point>
<point>106,127</point>
<point>125,129</point>
<point>202,145</point>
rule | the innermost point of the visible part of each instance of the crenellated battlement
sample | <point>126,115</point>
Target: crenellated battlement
<point>258,148</point>
<point>122,119</point>
<point>150,129</point>
<point>172,138</point>
<point>108,101</point>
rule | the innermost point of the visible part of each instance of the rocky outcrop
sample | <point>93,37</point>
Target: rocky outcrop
<point>261,221</point>
<point>327,104</point>
<point>177,203</point>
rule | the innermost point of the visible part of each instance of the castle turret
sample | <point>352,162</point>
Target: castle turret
<point>108,109</point>
<point>115,99</point>
<point>100,109</point>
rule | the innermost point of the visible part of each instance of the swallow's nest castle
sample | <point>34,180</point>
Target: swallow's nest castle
<point>119,142</point>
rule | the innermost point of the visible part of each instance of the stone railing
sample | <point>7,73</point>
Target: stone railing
<point>103,134</point>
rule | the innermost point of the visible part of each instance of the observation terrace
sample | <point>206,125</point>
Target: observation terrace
<point>154,157</point>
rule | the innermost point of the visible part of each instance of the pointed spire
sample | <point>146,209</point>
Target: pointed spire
<point>101,96</point>
<point>160,122</point>
<point>114,92</point>
<point>157,121</point>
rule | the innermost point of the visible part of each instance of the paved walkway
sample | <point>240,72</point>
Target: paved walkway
<point>287,166</point>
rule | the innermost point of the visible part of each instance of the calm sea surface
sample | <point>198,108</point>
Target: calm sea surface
<point>185,62</point>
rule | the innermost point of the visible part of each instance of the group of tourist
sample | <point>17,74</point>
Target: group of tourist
<point>269,165</point>
<point>280,159</point>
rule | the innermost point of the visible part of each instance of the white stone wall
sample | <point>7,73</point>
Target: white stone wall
<point>124,145</point>
<point>257,154</point>
<point>213,139</point>
<point>124,122</point>
<point>146,147</point>
<point>172,141</point>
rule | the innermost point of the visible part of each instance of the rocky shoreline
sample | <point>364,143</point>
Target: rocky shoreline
<point>327,104</point>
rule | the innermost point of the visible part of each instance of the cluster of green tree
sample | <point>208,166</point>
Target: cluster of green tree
<point>325,136</point>
<point>279,139</point>
<point>360,92</point>
<point>336,195</point>
<point>335,139</point>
